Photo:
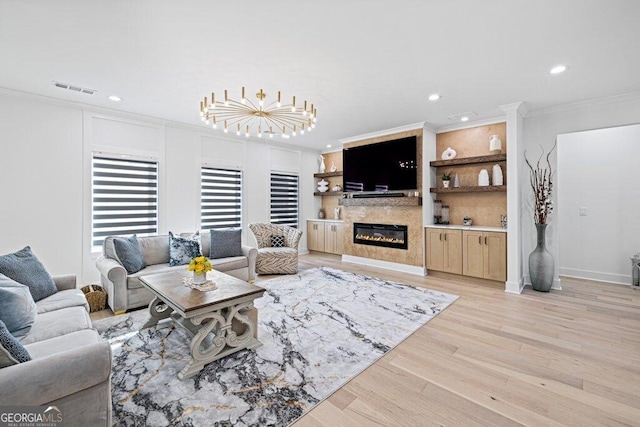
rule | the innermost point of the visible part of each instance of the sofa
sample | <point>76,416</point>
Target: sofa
<point>125,291</point>
<point>70,364</point>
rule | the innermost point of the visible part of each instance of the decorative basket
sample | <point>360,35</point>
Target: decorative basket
<point>96,297</point>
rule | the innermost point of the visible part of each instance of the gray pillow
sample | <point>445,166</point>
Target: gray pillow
<point>226,243</point>
<point>17,308</point>
<point>25,268</point>
<point>182,249</point>
<point>11,351</point>
<point>129,254</point>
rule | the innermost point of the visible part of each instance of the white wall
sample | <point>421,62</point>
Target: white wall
<point>599,172</point>
<point>541,129</point>
<point>45,167</point>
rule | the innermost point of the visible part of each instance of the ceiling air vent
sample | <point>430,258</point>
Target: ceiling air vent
<point>462,116</point>
<point>74,88</point>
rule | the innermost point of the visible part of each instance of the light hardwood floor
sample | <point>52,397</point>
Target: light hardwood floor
<point>569,357</point>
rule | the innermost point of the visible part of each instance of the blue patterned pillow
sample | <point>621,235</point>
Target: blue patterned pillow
<point>18,310</point>
<point>11,351</point>
<point>129,254</point>
<point>182,249</point>
<point>25,268</point>
<point>226,243</point>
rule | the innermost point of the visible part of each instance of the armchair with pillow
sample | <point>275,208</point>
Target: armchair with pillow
<point>277,248</point>
<point>124,260</point>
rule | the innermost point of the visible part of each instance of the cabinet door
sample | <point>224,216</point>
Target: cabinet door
<point>472,253</point>
<point>315,236</point>
<point>339,232</point>
<point>453,251</point>
<point>435,249</point>
<point>495,255</point>
<point>329,238</point>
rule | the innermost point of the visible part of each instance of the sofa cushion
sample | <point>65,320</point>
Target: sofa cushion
<point>155,249</point>
<point>63,299</point>
<point>226,243</point>
<point>17,308</point>
<point>182,250</point>
<point>11,351</point>
<point>25,268</point>
<point>61,343</point>
<point>133,281</point>
<point>129,253</point>
<point>58,322</point>
<point>231,263</point>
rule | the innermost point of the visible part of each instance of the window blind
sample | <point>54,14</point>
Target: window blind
<point>284,199</point>
<point>221,198</point>
<point>125,198</point>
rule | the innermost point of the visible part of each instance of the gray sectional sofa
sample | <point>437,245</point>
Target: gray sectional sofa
<point>71,364</point>
<point>125,291</point>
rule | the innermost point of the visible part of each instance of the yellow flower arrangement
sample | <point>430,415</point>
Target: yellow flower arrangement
<point>200,265</point>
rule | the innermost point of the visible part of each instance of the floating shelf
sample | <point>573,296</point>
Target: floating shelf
<point>382,201</point>
<point>327,174</point>
<point>491,158</point>
<point>328,193</point>
<point>474,189</point>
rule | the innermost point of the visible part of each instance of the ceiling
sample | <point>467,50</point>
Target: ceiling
<point>366,65</point>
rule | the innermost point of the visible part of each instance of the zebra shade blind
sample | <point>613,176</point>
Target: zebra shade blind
<point>284,199</point>
<point>221,200</point>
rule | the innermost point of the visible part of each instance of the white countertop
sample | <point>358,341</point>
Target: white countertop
<point>325,220</point>
<point>468,227</point>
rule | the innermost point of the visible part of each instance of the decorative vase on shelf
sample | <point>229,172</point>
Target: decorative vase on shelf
<point>456,182</point>
<point>321,214</point>
<point>199,278</point>
<point>495,145</point>
<point>323,186</point>
<point>449,154</point>
<point>483,178</point>
<point>498,179</point>
<point>541,263</point>
<point>333,167</point>
<point>322,165</point>
<point>445,184</point>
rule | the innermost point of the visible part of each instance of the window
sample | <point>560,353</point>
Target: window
<point>221,198</point>
<point>125,198</point>
<point>284,199</point>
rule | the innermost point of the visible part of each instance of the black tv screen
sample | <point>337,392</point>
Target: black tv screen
<point>385,166</point>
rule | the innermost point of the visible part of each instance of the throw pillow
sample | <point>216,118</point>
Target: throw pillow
<point>226,243</point>
<point>17,308</point>
<point>25,268</point>
<point>182,249</point>
<point>129,254</point>
<point>11,351</point>
<point>277,241</point>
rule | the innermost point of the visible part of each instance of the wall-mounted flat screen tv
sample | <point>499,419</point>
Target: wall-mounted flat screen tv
<point>384,166</point>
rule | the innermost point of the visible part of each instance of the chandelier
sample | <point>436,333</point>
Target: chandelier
<point>259,117</point>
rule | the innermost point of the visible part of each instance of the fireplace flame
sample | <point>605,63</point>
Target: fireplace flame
<point>379,239</point>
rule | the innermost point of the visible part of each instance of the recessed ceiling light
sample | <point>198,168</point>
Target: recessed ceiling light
<point>328,145</point>
<point>464,119</point>
<point>434,97</point>
<point>558,69</point>
<point>115,98</point>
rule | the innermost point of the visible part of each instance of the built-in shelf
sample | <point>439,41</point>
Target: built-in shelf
<point>328,193</point>
<point>470,189</point>
<point>491,158</point>
<point>382,201</point>
<point>327,174</point>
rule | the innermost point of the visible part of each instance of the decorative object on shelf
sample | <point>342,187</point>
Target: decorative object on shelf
<point>503,221</point>
<point>323,186</point>
<point>495,145</point>
<point>336,187</point>
<point>541,262</point>
<point>321,166</point>
<point>483,178</point>
<point>467,221</point>
<point>333,167</point>
<point>446,179</point>
<point>449,154</point>
<point>200,265</point>
<point>321,214</point>
<point>497,175</point>
<point>258,118</point>
<point>456,182</point>
<point>437,211</point>
<point>336,213</point>
<point>445,215</point>
<point>635,270</point>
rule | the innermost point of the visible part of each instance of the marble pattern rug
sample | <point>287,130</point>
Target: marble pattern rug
<point>319,329</point>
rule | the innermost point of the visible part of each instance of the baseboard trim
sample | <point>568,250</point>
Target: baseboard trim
<point>556,286</point>
<point>514,287</point>
<point>387,265</point>
<point>598,276</point>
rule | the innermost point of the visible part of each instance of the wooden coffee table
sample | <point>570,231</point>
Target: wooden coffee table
<point>220,322</point>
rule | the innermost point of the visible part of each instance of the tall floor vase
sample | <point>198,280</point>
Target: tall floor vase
<point>541,264</point>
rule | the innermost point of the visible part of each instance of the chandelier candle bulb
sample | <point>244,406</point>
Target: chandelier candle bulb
<point>244,98</point>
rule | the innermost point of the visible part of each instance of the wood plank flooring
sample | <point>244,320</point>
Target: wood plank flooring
<point>569,357</point>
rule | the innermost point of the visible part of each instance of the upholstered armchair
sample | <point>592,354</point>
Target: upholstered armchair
<point>277,248</point>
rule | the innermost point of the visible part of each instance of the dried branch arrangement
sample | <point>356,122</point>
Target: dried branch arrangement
<point>541,179</point>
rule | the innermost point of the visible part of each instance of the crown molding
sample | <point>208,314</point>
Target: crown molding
<point>491,121</point>
<point>625,97</point>
<point>413,126</point>
<point>519,107</point>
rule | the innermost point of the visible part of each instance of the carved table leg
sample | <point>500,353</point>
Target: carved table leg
<point>158,311</point>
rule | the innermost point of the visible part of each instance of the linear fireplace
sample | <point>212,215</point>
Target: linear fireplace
<point>387,235</point>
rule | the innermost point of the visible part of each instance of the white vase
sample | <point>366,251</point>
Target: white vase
<point>498,179</point>
<point>199,278</point>
<point>323,186</point>
<point>449,154</point>
<point>483,178</point>
<point>322,165</point>
<point>445,184</point>
<point>495,145</point>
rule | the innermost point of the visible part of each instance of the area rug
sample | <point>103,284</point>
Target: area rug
<point>319,329</point>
